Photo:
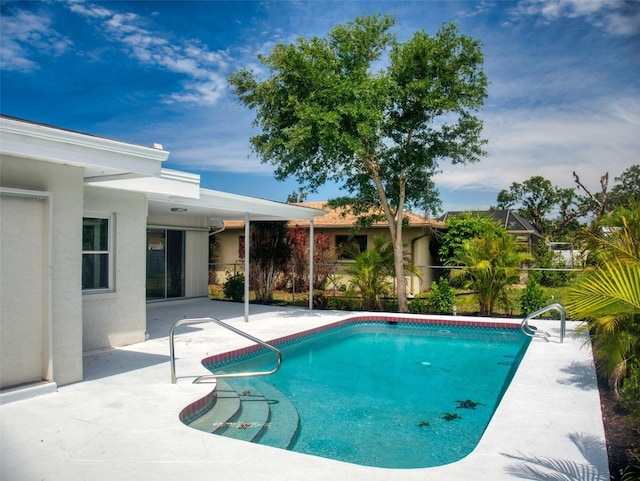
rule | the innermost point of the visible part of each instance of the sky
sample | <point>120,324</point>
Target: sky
<point>564,75</point>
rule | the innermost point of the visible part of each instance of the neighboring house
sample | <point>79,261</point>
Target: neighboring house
<point>418,235</point>
<point>91,229</point>
<point>516,225</point>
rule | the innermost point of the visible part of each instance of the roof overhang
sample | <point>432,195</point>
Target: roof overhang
<point>123,166</point>
<point>170,183</point>
<point>97,155</point>
<point>219,206</point>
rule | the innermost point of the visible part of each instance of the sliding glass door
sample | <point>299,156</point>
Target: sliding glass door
<point>165,263</point>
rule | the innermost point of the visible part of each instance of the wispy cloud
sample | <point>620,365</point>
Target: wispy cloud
<point>552,142</point>
<point>204,71</point>
<point>24,32</point>
<point>618,17</point>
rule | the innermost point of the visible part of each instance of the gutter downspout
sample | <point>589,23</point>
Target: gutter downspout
<point>219,230</point>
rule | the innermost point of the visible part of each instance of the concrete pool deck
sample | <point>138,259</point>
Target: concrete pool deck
<point>121,422</point>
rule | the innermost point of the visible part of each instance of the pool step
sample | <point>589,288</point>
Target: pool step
<point>225,406</point>
<point>284,421</point>
<point>252,416</point>
<point>251,410</point>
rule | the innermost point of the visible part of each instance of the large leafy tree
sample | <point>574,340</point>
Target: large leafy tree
<point>626,188</point>
<point>370,113</point>
<point>467,225</point>
<point>537,200</point>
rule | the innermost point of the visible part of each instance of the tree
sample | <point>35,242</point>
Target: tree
<point>491,264</point>
<point>467,225</point>
<point>627,187</point>
<point>324,258</point>
<point>536,199</point>
<point>332,109</point>
<point>370,274</point>
<point>296,196</point>
<point>270,253</point>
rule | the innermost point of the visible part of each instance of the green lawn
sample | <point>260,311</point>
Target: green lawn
<point>466,303</point>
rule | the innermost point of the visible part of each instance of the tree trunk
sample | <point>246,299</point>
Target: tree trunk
<point>401,286</point>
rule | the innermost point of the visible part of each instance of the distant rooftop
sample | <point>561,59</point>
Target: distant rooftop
<point>341,218</point>
<point>511,220</point>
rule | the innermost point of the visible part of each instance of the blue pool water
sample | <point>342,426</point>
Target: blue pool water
<point>394,396</point>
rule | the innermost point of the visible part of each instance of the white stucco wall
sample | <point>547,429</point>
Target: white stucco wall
<point>118,317</point>
<point>65,183</point>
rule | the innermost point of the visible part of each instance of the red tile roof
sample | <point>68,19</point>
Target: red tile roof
<point>339,218</point>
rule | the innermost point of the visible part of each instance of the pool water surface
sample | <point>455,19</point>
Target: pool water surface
<point>393,395</point>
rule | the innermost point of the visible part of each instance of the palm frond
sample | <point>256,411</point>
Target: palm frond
<point>611,289</point>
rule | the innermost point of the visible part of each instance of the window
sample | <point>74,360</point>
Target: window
<point>350,246</point>
<point>96,253</point>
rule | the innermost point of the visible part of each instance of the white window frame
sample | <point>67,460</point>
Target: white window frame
<point>110,252</point>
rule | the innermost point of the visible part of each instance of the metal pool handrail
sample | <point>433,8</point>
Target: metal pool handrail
<point>230,328</point>
<point>533,333</point>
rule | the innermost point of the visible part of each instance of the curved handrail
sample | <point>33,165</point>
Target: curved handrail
<point>230,328</point>
<point>551,307</point>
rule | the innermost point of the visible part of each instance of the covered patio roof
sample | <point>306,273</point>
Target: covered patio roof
<point>113,164</point>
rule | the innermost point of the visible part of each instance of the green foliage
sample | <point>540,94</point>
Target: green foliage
<point>419,304</point>
<point>370,274</point>
<point>467,225</point>
<point>492,265</point>
<point>630,392</point>
<point>537,198</point>
<point>632,472</point>
<point>546,259</point>
<point>441,296</point>
<point>532,298</point>
<point>607,297</point>
<point>626,190</point>
<point>233,287</point>
<point>370,113</point>
<point>439,299</point>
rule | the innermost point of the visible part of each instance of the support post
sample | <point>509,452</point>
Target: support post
<point>247,240</point>
<point>311,246</point>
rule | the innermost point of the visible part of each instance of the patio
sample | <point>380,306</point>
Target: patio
<point>121,421</point>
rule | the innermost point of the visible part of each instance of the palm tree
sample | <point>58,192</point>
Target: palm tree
<point>490,264</point>
<point>607,296</point>
<point>371,274</point>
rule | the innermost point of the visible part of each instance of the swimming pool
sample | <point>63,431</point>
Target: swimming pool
<point>384,394</point>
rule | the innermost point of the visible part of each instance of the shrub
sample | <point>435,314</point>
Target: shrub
<point>532,297</point>
<point>234,287</point>
<point>630,392</point>
<point>547,259</point>
<point>419,304</point>
<point>440,298</point>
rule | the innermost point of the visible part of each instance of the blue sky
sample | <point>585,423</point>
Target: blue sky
<point>564,76</point>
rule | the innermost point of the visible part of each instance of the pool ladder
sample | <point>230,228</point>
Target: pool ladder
<point>539,334</point>
<point>208,377</point>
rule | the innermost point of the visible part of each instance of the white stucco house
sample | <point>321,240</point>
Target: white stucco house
<point>91,230</point>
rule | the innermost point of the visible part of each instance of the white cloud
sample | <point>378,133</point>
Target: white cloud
<point>204,71</point>
<point>553,142</point>
<point>618,17</point>
<point>24,32</point>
